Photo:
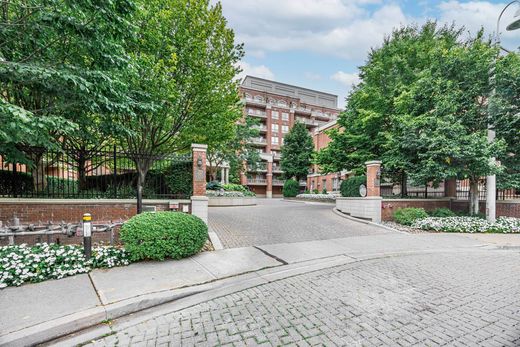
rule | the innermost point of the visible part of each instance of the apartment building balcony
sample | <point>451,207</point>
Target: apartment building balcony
<point>256,113</point>
<point>278,182</point>
<point>257,181</point>
<point>277,169</point>
<point>260,128</point>
<point>302,110</point>
<point>277,156</point>
<point>322,116</point>
<point>260,141</point>
<point>254,102</point>
<point>308,122</point>
<point>260,167</point>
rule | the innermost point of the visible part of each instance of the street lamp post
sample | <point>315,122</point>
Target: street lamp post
<point>491,180</point>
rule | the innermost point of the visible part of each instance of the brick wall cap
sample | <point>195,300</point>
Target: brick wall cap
<point>199,147</point>
<point>199,198</point>
<point>404,200</point>
<point>360,198</point>
<point>85,201</point>
<point>373,162</point>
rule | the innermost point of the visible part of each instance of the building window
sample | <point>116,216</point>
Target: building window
<point>282,103</point>
<point>285,116</point>
<point>259,98</point>
<point>275,115</point>
<point>281,141</point>
<point>285,129</point>
<point>274,127</point>
<point>274,140</point>
<point>248,96</point>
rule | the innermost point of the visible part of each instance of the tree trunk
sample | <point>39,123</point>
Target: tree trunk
<point>82,174</point>
<point>38,174</point>
<point>142,169</point>
<point>404,185</point>
<point>473,197</point>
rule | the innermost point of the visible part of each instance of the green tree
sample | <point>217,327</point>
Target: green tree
<point>183,79</point>
<point>421,107</point>
<point>297,152</point>
<point>59,62</point>
<point>237,148</point>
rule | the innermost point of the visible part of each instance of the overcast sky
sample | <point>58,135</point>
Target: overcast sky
<point>319,44</point>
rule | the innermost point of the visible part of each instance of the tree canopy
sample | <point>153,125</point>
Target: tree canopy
<point>297,151</point>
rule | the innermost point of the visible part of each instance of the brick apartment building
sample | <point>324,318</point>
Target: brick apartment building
<point>279,106</point>
<point>315,179</point>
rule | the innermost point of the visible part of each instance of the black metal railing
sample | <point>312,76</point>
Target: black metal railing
<point>107,173</point>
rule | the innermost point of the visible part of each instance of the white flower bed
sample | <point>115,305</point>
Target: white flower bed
<point>229,194</point>
<point>22,263</point>
<point>317,196</point>
<point>469,224</point>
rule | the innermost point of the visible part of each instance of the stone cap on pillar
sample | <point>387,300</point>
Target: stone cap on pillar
<point>373,162</point>
<point>199,147</point>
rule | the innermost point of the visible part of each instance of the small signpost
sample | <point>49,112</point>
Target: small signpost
<point>87,235</point>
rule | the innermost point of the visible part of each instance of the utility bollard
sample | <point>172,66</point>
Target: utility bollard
<point>87,235</point>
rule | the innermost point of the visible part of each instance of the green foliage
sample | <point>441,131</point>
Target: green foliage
<point>179,178</point>
<point>350,186</point>
<point>235,187</point>
<point>297,151</point>
<point>315,191</point>
<point>60,64</point>
<point>214,185</point>
<point>162,235</point>
<point>291,188</point>
<point>306,191</point>
<point>324,191</point>
<point>407,216</point>
<point>53,261</point>
<point>443,212</point>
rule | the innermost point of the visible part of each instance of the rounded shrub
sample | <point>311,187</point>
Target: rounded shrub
<point>161,235</point>
<point>350,187</point>
<point>407,216</point>
<point>443,212</point>
<point>290,188</point>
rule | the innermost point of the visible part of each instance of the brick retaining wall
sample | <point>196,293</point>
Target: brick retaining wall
<point>71,210</point>
<point>391,205</point>
<point>509,208</point>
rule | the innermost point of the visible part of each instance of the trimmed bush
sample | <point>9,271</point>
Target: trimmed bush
<point>315,191</point>
<point>291,188</point>
<point>234,187</point>
<point>324,191</point>
<point>162,235</point>
<point>407,216</point>
<point>214,185</point>
<point>443,212</point>
<point>350,187</point>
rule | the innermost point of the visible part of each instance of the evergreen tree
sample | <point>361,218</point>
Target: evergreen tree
<point>297,152</point>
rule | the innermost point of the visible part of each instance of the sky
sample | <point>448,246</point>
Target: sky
<point>320,44</point>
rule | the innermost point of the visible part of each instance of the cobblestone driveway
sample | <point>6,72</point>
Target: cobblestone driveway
<point>277,221</point>
<point>464,299</point>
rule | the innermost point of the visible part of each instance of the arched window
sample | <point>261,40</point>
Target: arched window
<point>272,101</point>
<point>282,103</point>
<point>259,98</point>
<point>248,96</point>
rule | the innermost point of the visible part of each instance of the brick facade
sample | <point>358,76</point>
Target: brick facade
<point>199,169</point>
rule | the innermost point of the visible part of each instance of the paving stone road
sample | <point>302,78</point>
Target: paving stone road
<point>277,221</point>
<point>454,299</point>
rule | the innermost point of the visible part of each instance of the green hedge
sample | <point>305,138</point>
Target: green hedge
<point>291,188</point>
<point>162,235</point>
<point>443,212</point>
<point>350,187</point>
<point>407,216</point>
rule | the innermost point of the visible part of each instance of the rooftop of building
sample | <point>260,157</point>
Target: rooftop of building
<point>306,95</point>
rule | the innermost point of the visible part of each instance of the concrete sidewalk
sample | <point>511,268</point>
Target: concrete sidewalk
<point>40,312</point>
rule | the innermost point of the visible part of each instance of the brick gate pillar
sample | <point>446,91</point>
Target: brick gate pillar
<point>199,200</point>
<point>373,178</point>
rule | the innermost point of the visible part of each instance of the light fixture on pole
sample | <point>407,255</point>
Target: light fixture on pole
<point>491,180</point>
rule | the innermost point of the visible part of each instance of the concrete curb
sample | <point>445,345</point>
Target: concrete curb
<point>341,214</point>
<point>132,311</point>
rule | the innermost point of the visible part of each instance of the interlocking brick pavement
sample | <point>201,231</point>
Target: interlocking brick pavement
<point>443,299</point>
<point>277,221</point>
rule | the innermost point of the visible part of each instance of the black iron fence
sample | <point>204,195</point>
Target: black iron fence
<point>107,173</point>
<point>391,189</point>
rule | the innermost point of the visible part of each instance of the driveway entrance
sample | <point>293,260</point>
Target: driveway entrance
<point>278,221</point>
